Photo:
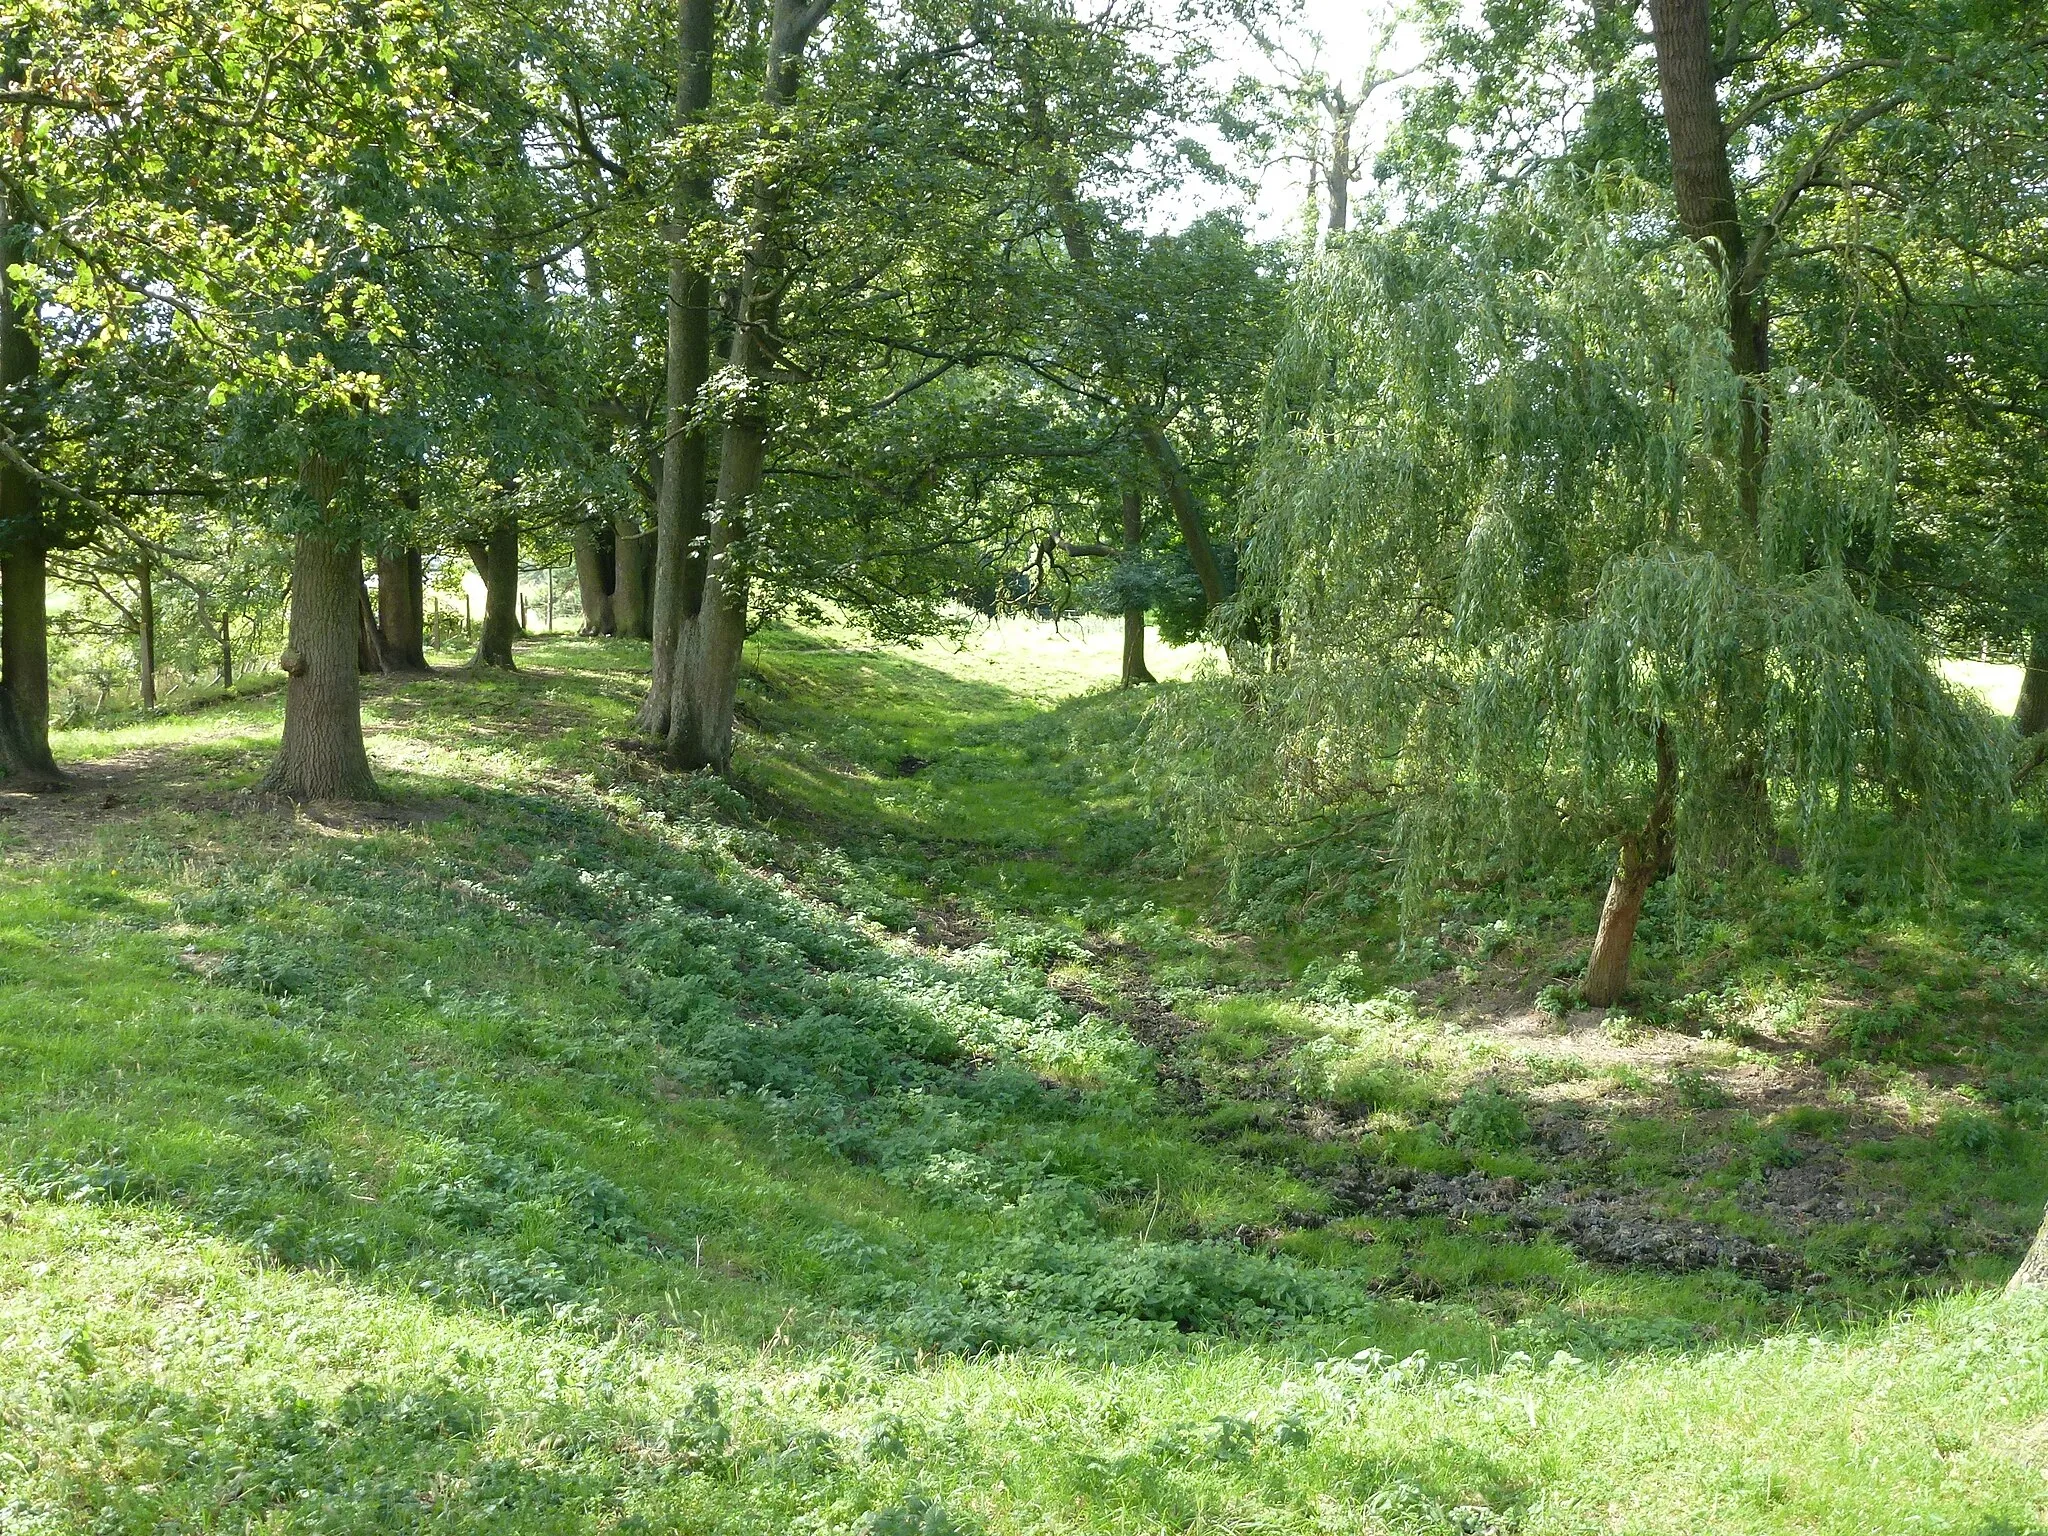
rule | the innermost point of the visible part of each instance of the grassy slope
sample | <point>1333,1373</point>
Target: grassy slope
<point>582,1148</point>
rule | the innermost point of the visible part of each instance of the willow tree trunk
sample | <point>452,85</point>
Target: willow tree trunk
<point>707,659</point>
<point>401,609</point>
<point>590,587</point>
<point>227,653</point>
<point>2030,714</point>
<point>145,634</point>
<point>1135,671</point>
<point>629,579</point>
<point>680,526</point>
<point>1703,186</point>
<point>497,561</point>
<point>322,755</point>
<point>1645,859</point>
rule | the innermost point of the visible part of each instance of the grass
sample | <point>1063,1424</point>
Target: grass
<point>901,1141</point>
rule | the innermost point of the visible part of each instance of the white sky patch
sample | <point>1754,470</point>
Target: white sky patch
<point>1337,38</point>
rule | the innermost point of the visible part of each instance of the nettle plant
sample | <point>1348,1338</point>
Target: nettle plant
<point>1525,584</point>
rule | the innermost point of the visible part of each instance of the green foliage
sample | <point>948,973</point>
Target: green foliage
<point>1488,1119</point>
<point>1499,516</point>
<point>466,1225</point>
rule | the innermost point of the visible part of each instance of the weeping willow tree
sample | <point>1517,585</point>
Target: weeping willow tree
<point>1500,532</point>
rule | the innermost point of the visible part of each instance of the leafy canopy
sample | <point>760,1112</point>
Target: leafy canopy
<point>1496,513</point>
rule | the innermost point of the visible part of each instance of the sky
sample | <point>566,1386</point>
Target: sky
<point>1346,31</point>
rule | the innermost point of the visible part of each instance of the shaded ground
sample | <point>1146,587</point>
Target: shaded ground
<point>878,1149</point>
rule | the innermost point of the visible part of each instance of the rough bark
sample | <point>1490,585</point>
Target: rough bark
<point>1703,186</point>
<point>322,755</point>
<point>1136,673</point>
<point>25,756</point>
<point>1337,173</point>
<point>145,634</point>
<point>629,582</point>
<point>1645,859</point>
<point>680,526</point>
<point>707,661</point>
<point>2030,714</point>
<point>402,609</point>
<point>590,587</point>
<point>25,660</point>
<point>2032,1275</point>
<point>497,561</point>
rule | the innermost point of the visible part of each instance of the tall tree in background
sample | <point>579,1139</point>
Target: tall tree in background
<point>680,521</point>
<point>1503,523</point>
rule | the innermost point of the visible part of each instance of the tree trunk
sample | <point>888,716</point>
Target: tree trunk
<point>1644,860</point>
<point>707,660</point>
<point>1187,512</point>
<point>707,670</point>
<point>401,609</point>
<point>629,584</point>
<point>369,640</point>
<point>1337,175</point>
<point>2032,1275</point>
<point>590,589</point>
<point>679,513</point>
<point>2030,714</point>
<point>24,604</point>
<point>145,634</point>
<point>1135,671</point>
<point>227,654</point>
<point>497,561</point>
<point>322,755</point>
<point>1703,186</point>
<point>24,657</point>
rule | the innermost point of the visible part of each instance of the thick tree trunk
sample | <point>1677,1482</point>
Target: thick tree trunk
<point>497,561</point>
<point>24,612</point>
<point>1645,859</point>
<point>706,675</point>
<point>629,586</point>
<point>401,609</point>
<point>680,526</point>
<point>2030,714</point>
<point>590,588</point>
<point>707,661</point>
<point>1703,186</point>
<point>1135,671</point>
<point>322,755</point>
<point>2032,1275</point>
<point>24,657</point>
<point>145,634</point>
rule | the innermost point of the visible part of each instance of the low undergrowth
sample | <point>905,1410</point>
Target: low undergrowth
<point>901,1141</point>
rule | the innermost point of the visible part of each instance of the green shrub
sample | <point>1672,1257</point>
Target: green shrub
<point>1488,1119</point>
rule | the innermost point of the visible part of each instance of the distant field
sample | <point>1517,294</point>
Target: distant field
<point>1999,684</point>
